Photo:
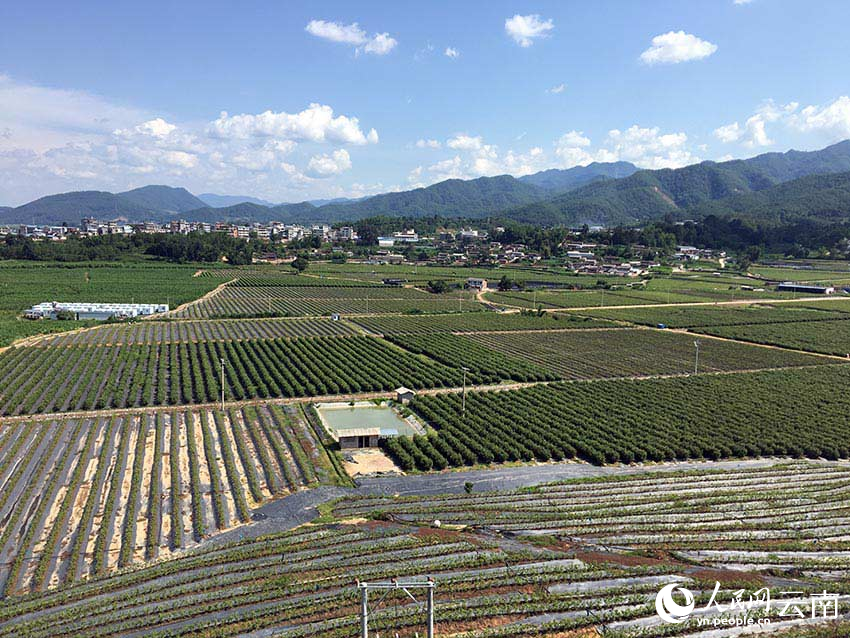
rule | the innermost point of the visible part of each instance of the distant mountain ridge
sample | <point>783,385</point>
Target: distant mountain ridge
<point>568,179</point>
<point>221,201</point>
<point>599,193</point>
<point>163,198</point>
<point>650,194</point>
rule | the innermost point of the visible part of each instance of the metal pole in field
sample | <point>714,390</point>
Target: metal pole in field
<point>430,608</point>
<point>364,610</point>
<point>696,358</point>
<point>463,399</point>
<point>222,384</point>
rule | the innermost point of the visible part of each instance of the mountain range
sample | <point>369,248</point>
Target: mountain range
<point>772,187</point>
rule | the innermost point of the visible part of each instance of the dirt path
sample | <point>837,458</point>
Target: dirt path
<point>195,302</point>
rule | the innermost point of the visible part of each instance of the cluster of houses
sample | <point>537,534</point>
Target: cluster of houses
<point>90,227</point>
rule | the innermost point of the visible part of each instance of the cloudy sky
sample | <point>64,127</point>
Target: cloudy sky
<point>301,100</point>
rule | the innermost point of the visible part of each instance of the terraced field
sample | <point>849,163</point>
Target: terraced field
<point>42,380</point>
<point>88,495</point>
<point>150,332</point>
<point>559,560</point>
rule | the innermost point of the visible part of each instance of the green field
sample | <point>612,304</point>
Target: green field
<point>828,337</point>
<point>787,412</point>
<point>475,322</point>
<point>691,316</point>
<point>598,354</point>
<point>25,284</point>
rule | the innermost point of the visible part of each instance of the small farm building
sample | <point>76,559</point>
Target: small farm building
<point>476,283</point>
<point>790,286</point>
<point>404,395</point>
<point>359,437</point>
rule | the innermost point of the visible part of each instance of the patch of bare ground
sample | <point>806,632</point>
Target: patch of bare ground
<point>460,626</point>
<point>369,462</point>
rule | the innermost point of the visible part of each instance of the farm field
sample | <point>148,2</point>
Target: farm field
<point>575,559</point>
<point>96,377</point>
<point>485,364</point>
<point>828,337</point>
<point>580,298</point>
<point>456,274</point>
<point>240,301</point>
<point>155,332</point>
<point>838,273</point>
<point>475,322</point>
<point>25,284</point>
<point>88,495</point>
<point>784,412</point>
<point>624,352</point>
<point>760,313</point>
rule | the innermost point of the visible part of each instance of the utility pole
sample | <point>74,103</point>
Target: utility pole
<point>696,358</point>
<point>463,399</point>
<point>364,588</point>
<point>364,609</point>
<point>222,384</point>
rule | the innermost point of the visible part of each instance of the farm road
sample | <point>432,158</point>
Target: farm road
<point>302,507</point>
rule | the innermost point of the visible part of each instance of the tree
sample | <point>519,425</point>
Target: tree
<point>506,283</point>
<point>300,263</point>
<point>438,287</point>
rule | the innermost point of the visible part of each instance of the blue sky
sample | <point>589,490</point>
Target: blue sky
<point>326,99</point>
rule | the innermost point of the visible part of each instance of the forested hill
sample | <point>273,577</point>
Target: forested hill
<point>604,194</point>
<point>471,198</point>
<point>824,198</point>
<point>164,198</point>
<point>651,194</point>
<point>562,180</point>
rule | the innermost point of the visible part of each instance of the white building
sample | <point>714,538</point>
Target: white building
<point>100,311</point>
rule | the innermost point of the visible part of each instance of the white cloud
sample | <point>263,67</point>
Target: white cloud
<point>55,140</point>
<point>352,34</point>
<point>40,118</point>
<point>559,88</point>
<point>677,46</point>
<point>648,147</point>
<point>451,52</point>
<point>155,128</point>
<point>463,142</point>
<point>525,29</point>
<point>381,44</point>
<point>329,165</point>
<point>337,32</point>
<point>315,124</point>
<point>831,121</point>
<point>741,2</point>
<point>729,133</point>
<point>574,138</point>
<point>180,158</point>
<point>428,144</point>
<point>571,150</point>
<point>828,123</point>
